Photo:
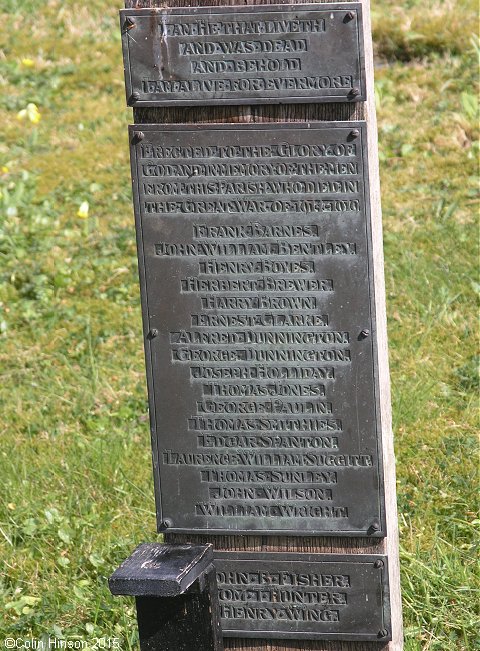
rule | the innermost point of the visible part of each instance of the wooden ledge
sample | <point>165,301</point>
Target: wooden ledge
<point>159,570</point>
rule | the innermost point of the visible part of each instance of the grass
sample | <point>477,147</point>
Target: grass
<point>75,461</point>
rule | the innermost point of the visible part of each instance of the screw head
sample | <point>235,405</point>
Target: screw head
<point>355,92</point>
<point>354,133</point>
<point>167,523</point>
<point>349,16</point>
<point>153,333</point>
<point>134,97</point>
<point>378,564</point>
<point>375,526</point>
<point>383,632</point>
<point>129,23</point>
<point>364,333</point>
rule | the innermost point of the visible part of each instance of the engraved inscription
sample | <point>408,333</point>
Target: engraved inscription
<point>318,596</point>
<point>243,54</point>
<point>263,390</point>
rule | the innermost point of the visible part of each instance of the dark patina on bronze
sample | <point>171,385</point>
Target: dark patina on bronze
<point>303,596</point>
<point>243,55</point>
<point>257,288</point>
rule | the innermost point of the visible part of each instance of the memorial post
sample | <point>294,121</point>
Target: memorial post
<point>259,231</point>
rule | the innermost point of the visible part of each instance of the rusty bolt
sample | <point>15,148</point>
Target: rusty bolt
<point>378,564</point>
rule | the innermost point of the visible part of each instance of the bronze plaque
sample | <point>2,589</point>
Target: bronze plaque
<point>304,596</point>
<point>243,55</point>
<point>257,285</point>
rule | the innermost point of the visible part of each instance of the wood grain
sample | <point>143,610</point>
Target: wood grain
<point>307,113</point>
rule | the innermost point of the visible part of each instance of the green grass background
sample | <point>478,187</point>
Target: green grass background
<point>77,493</point>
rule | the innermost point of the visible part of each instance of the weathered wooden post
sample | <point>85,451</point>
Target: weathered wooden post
<point>258,219</point>
<point>176,596</point>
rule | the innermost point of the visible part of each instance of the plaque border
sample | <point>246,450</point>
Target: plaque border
<point>212,10</point>
<point>305,558</point>
<point>162,518</point>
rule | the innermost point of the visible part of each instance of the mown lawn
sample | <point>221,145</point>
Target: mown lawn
<point>77,494</point>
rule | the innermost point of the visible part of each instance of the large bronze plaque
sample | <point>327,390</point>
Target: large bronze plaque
<point>304,596</point>
<point>243,55</point>
<point>257,284</point>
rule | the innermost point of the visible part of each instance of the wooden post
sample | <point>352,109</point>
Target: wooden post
<point>340,545</point>
<point>175,591</point>
<point>182,623</point>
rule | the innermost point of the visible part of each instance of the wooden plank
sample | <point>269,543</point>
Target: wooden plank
<point>156,570</point>
<point>389,545</point>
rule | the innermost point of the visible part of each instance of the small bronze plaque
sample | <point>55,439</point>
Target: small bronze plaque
<point>243,55</point>
<point>304,596</point>
<point>257,286</point>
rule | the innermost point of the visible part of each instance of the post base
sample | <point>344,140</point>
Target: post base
<point>176,596</point>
